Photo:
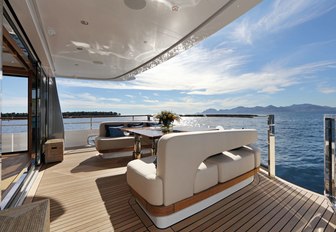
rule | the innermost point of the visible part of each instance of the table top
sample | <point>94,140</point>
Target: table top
<point>155,132</point>
<point>151,132</point>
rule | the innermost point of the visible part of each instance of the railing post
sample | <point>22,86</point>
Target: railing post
<point>91,123</point>
<point>271,146</point>
<point>329,159</point>
<point>148,117</point>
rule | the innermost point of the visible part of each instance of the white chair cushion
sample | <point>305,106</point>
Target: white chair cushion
<point>141,176</point>
<point>234,163</point>
<point>206,176</point>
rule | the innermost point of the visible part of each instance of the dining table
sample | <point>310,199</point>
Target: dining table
<point>154,134</point>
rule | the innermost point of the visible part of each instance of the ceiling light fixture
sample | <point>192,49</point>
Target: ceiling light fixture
<point>135,4</point>
<point>84,22</point>
<point>175,8</point>
<point>51,31</point>
<point>97,62</point>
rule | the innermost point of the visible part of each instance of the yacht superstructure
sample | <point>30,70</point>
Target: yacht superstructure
<point>115,41</point>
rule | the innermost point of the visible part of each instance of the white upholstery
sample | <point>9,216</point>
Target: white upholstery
<point>180,154</point>
<point>106,145</point>
<point>141,176</point>
<point>187,164</point>
<point>206,176</point>
<point>229,168</point>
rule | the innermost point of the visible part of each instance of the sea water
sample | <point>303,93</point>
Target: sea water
<point>299,141</point>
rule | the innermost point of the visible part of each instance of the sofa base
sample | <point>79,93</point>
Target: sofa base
<point>166,221</point>
<point>121,153</point>
<point>111,155</point>
<point>164,216</point>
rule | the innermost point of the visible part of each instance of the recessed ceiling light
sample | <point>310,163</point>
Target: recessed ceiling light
<point>51,31</point>
<point>84,22</point>
<point>175,8</point>
<point>135,4</point>
<point>97,62</point>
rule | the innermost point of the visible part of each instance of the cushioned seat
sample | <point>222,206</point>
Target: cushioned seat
<point>236,162</point>
<point>206,176</point>
<point>112,141</point>
<point>141,175</point>
<point>106,143</point>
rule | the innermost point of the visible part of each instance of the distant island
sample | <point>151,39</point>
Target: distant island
<point>75,114</point>
<point>304,108</point>
<point>78,114</point>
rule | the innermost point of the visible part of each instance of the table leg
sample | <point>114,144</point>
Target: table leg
<point>137,147</point>
<point>154,144</point>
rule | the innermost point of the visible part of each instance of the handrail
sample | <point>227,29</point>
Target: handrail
<point>330,159</point>
<point>270,123</point>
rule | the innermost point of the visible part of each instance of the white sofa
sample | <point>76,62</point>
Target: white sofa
<point>120,146</point>
<point>193,171</point>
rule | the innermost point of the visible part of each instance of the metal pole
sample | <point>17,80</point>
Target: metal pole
<point>1,11</point>
<point>329,159</point>
<point>271,146</point>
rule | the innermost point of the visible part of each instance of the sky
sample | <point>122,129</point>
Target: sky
<point>279,53</point>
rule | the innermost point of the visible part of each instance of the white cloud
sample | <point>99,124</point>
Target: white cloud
<point>326,90</point>
<point>85,101</point>
<point>14,104</point>
<point>283,14</point>
<point>212,72</point>
<point>151,101</point>
<point>182,105</point>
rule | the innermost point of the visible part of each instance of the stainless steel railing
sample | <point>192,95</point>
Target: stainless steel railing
<point>329,159</point>
<point>91,123</point>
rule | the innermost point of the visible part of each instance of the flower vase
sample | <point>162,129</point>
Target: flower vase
<point>167,128</point>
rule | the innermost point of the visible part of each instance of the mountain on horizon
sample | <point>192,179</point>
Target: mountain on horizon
<point>308,108</point>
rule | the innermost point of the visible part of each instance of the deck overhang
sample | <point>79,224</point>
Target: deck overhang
<point>116,40</point>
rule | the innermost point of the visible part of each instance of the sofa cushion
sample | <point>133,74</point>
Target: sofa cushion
<point>180,154</point>
<point>206,176</point>
<point>141,177</point>
<point>136,125</point>
<point>108,131</point>
<point>115,132</point>
<point>234,163</point>
<point>104,143</point>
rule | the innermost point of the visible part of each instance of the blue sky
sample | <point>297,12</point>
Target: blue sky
<point>279,53</point>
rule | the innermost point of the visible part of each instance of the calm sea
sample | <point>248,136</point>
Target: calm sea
<point>299,141</point>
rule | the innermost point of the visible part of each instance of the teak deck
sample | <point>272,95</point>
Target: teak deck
<point>88,193</point>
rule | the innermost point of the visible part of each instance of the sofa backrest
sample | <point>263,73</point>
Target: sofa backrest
<point>180,154</point>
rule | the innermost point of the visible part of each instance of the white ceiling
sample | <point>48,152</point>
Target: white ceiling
<point>122,37</point>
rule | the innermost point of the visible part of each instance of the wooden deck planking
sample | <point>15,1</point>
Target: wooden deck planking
<point>266,212</point>
<point>243,214</point>
<point>267,222</point>
<point>232,215</point>
<point>88,193</point>
<point>206,214</point>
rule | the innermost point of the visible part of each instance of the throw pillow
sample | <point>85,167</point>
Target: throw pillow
<point>116,132</point>
<point>107,129</point>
